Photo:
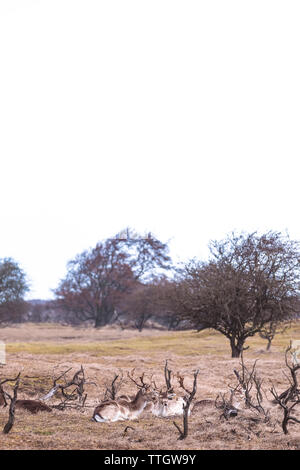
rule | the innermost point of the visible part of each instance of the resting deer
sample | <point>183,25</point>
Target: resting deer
<point>124,408</point>
<point>34,406</point>
<point>30,405</point>
<point>167,405</point>
<point>121,409</point>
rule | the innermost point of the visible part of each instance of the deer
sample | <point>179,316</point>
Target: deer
<point>30,405</point>
<point>33,406</point>
<point>167,403</point>
<point>125,408</point>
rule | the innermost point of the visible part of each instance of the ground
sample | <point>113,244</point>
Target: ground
<point>41,351</point>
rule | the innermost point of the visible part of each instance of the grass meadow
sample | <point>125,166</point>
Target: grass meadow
<point>41,351</point>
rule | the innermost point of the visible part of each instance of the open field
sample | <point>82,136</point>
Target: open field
<point>37,350</point>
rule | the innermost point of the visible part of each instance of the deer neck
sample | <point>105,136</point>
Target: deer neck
<point>140,401</point>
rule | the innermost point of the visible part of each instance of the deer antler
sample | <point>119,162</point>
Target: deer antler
<point>142,384</point>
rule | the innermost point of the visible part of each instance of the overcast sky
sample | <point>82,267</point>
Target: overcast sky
<point>176,117</point>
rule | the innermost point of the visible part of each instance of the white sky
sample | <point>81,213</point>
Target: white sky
<point>177,117</point>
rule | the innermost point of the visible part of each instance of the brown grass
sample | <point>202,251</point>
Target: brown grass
<point>36,350</point>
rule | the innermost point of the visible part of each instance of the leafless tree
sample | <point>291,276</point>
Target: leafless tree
<point>169,392</point>
<point>226,405</point>
<point>290,398</point>
<point>12,398</point>
<point>139,304</point>
<point>271,329</point>
<point>98,279</point>
<point>72,390</point>
<point>250,281</point>
<point>250,386</point>
<point>113,389</point>
<point>190,394</point>
<point>168,374</point>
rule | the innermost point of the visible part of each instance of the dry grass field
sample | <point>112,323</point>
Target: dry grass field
<point>41,351</point>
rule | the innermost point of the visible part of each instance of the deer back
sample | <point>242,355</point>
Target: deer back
<point>34,406</point>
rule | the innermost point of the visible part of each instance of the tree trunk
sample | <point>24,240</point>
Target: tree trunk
<point>140,322</point>
<point>98,322</point>
<point>236,347</point>
<point>173,323</point>
<point>103,317</point>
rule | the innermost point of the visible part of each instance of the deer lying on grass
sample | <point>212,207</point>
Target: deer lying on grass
<point>166,403</point>
<point>75,398</point>
<point>163,404</point>
<point>30,405</point>
<point>33,406</point>
<point>121,409</point>
<point>124,408</point>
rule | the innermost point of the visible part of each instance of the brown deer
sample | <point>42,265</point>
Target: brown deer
<point>34,406</point>
<point>122,409</point>
<point>125,408</point>
<point>30,405</point>
<point>166,403</point>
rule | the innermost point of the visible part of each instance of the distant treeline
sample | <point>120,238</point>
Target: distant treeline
<point>249,285</point>
<point>50,311</point>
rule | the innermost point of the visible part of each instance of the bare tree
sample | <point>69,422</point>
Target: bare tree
<point>186,407</point>
<point>12,398</point>
<point>290,398</point>
<point>226,405</point>
<point>113,389</point>
<point>168,374</point>
<point>145,301</point>
<point>139,304</point>
<point>249,282</point>
<point>72,390</point>
<point>97,279</point>
<point>250,385</point>
<point>271,329</point>
<point>166,304</point>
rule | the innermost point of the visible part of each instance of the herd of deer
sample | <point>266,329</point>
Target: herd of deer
<point>148,398</point>
<point>160,402</point>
